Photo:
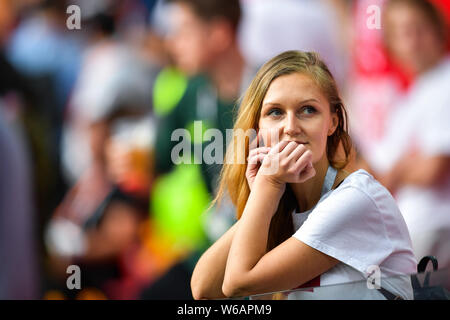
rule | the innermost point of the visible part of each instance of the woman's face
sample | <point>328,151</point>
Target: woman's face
<point>295,109</point>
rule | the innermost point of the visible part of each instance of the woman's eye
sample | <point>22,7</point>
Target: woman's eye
<point>308,110</point>
<point>274,112</point>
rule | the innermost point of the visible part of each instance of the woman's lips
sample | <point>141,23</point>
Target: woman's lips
<point>299,142</point>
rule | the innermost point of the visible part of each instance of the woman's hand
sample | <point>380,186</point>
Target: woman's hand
<point>255,158</point>
<point>287,162</point>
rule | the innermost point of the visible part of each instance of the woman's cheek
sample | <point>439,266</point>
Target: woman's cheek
<point>270,136</point>
<point>319,149</point>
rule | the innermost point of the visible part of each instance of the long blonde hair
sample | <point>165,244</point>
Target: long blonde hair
<point>233,179</point>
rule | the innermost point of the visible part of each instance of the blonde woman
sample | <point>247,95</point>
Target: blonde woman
<point>306,222</point>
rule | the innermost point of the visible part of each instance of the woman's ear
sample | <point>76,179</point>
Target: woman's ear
<point>334,123</point>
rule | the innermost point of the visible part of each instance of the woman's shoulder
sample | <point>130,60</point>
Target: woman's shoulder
<point>360,179</point>
<point>361,204</point>
<point>361,187</point>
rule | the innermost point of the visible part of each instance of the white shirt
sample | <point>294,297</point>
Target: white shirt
<point>360,225</point>
<point>422,122</point>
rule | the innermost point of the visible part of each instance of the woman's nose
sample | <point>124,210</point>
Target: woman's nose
<point>291,126</point>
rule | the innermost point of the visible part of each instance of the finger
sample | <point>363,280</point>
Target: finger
<point>257,158</point>
<point>308,173</point>
<point>291,146</point>
<point>280,146</point>
<point>259,150</point>
<point>304,160</point>
<point>256,152</point>
<point>253,160</point>
<point>263,150</point>
<point>297,152</point>
<point>309,167</point>
<point>261,157</point>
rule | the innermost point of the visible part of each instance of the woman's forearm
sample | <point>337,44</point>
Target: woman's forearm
<point>250,239</point>
<point>207,278</point>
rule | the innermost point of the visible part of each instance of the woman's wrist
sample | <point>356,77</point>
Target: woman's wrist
<point>269,185</point>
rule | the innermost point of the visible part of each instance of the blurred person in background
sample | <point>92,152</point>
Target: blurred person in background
<point>413,158</point>
<point>270,27</point>
<point>202,42</point>
<point>37,45</point>
<point>19,245</point>
<point>97,224</point>
<point>19,270</point>
<point>375,83</point>
<point>44,50</point>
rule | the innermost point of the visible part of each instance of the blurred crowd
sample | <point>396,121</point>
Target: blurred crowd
<point>88,176</point>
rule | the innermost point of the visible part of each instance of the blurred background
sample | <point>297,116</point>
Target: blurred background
<point>89,98</point>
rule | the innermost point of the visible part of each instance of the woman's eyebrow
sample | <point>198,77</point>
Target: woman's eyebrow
<point>309,100</point>
<point>269,103</point>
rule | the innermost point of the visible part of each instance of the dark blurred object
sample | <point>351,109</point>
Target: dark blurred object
<point>427,291</point>
<point>101,22</point>
<point>30,104</point>
<point>19,269</point>
<point>172,285</point>
<point>11,80</point>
